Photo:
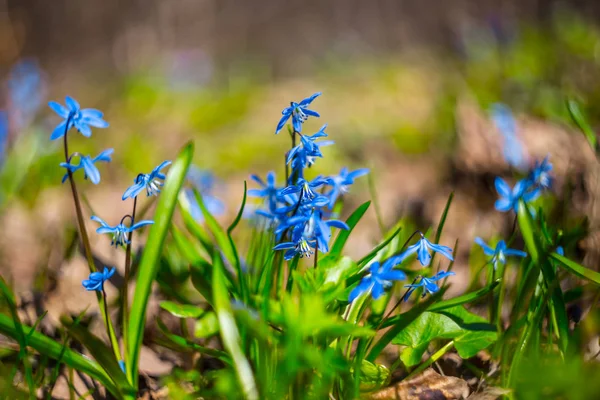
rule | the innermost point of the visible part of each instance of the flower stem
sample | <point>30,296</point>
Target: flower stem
<point>106,318</point>
<point>124,293</point>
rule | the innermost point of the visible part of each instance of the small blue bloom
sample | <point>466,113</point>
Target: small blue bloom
<point>76,117</point>
<point>203,182</point>
<point>96,279</point>
<point>120,231</point>
<point>514,154</point>
<point>320,229</point>
<point>509,198</point>
<point>152,182</point>
<point>540,176</point>
<point>559,250</point>
<point>304,154</point>
<point>500,253</point>
<point>378,279</point>
<point>299,113</point>
<point>300,245</point>
<point>340,183</point>
<point>422,248</point>
<point>26,90</point>
<point>87,163</point>
<point>269,190</point>
<point>305,188</point>
<point>427,284</point>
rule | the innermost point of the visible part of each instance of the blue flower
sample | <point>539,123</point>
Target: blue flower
<point>305,188</point>
<point>427,284</point>
<point>269,190</point>
<point>26,89</point>
<point>509,198</point>
<point>96,279</point>
<point>559,250</point>
<point>76,117</point>
<point>304,154</point>
<point>540,175</point>
<point>339,184</point>
<point>151,182</point>
<point>122,365</point>
<point>87,163</point>
<point>514,154</point>
<point>120,231</point>
<point>422,248</point>
<point>320,229</point>
<point>300,245</point>
<point>500,253</point>
<point>203,182</point>
<point>299,113</point>
<point>379,278</point>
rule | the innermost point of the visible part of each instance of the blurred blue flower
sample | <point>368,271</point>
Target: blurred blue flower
<point>152,182</point>
<point>560,250</point>
<point>269,190</point>
<point>76,117</point>
<point>500,253</point>
<point>87,163</point>
<point>120,231</point>
<point>304,154</point>
<point>427,284</point>
<point>339,184</point>
<point>26,90</point>
<point>96,279</point>
<point>514,154</point>
<point>3,134</point>
<point>203,182</point>
<point>540,175</point>
<point>509,198</point>
<point>378,279</point>
<point>422,248</point>
<point>299,113</point>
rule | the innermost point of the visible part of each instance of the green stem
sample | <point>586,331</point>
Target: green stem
<point>436,356</point>
<point>124,291</point>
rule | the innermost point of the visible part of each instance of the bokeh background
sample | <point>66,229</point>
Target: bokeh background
<point>407,86</point>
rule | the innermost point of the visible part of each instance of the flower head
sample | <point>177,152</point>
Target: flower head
<point>540,175</point>
<point>203,182</point>
<point>514,154</point>
<point>379,278</point>
<point>499,253</point>
<point>120,231</point>
<point>269,191</point>
<point>299,245</point>
<point>152,182</point>
<point>74,116</point>
<point>509,198</point>
<point>422,249</point>
<point>340,183</point>
<point>299,113</point>
<point>305,188</point>
<point>96,279</point>
<point>428,284</point>
<point>87,163</point>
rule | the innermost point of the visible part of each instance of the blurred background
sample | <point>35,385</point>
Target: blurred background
<point>408,87</point>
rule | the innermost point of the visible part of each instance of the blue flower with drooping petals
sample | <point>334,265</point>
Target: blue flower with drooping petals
<point>204,183</point>
<point>427,284</point>
<point>304,154</point>
<point>74,116</point>
<point>299,113</point>
<point>305,188</point>
<point>269,190</point>
<point>340,183</point>
<point>87,163</point>
<point>299,245</point>
<point>120,231</point>
<point>514,154</point>
<point>96,279</point>
<point>422,249</point>
<point>152,182</point>
<point>509,198</point>
<point>379,278</point>
<point>320,229</point>
<point>499,253</point>
<point>540,175</point>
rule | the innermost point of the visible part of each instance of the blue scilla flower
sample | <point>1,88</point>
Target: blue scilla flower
<point>87,164</point>
<point>96,279</point>
<point>319,229</point>
<point>76,117</point>
<point>120,231</point>
<point>509,197</point>
<point>204,182</point>
<point>269,191</point>
<point>152,182</point>
<point>422,249</point>
<point>305,188</point>
<point>514,154</point>
<point>379,278</point>
<point>298,245</point>
<point>560,250</point>
<point>340,183</point>
<point>428,284</point>
<point>26,90</point>
<point>299,113</point>
<point>540,175</point>
<point>499,253</point>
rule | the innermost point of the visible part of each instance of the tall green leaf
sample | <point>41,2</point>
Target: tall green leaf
<point>577,269</point>
<point>150,259</point>
<point>581,122</point>
<point>342,237</point>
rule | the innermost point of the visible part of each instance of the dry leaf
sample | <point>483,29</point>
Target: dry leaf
<point>489,393</point>
<point>427,386</point>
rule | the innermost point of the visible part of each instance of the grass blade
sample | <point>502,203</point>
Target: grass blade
<point>581,122</point>
<point>577,269</point>
<point>150,259</point>
<point>342,237</point>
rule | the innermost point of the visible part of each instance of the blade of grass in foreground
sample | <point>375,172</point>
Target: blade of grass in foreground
<point>150,259</point>
<point>577,269</point>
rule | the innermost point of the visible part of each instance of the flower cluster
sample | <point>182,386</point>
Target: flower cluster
<point>300,211</point>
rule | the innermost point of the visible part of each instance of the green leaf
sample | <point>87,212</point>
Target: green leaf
<point>476,333</point>
<point>373,376</point>
<point>577,269</point>
<point>201,275</point>
<point>101,353</point>
<point>151,257</point>
<point>46,346</point>
<point>182,310</point>
<point>236,258</point>
<point>342,237</point>
<point>527,230</point>
<point>229,331</point>
<point>206,326</point>
<point>581,122</point>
